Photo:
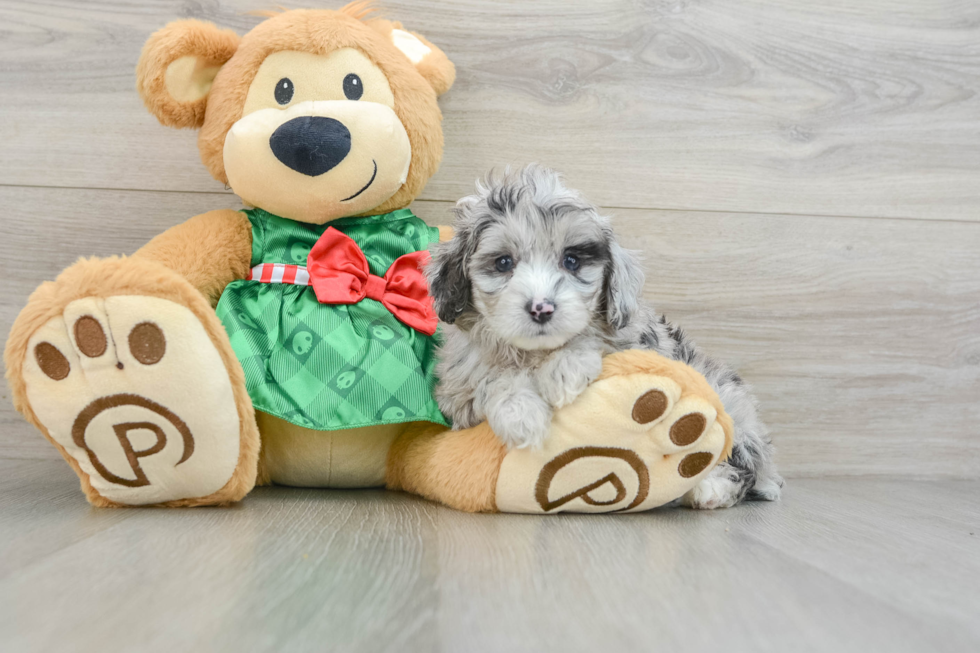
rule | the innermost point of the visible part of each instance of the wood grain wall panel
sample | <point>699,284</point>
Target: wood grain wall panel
<point>861,336</point>
<point>839,108</point>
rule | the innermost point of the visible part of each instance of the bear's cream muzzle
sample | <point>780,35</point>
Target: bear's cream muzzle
<point>318,161</point>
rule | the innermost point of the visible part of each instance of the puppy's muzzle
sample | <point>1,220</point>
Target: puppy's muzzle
<point>311,145</point>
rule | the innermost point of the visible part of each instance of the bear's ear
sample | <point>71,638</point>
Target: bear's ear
<point>431,62</point>
<point>177,67</point>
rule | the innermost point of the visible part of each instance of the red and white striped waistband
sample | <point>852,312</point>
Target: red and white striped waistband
<point>280,273</point>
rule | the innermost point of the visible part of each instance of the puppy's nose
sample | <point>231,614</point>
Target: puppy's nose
<point>541,310</point>
<point>311,145</point>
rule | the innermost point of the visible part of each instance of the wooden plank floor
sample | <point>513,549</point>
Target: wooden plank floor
<point>840,565</point>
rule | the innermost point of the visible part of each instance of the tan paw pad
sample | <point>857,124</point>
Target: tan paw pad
<point>628,443</point>
<point>149,417</point>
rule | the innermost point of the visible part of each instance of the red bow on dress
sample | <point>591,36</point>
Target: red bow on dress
<point>339,274</point>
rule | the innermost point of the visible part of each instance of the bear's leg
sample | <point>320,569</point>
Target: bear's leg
<point>127,370</point>
<point>644,433</point>
<point>457,468</point>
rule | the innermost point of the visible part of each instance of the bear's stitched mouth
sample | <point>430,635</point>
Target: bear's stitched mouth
<point>370,181</point>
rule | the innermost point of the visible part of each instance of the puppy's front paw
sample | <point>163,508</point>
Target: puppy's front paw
<point>566,375</point>
<point>520,420</point>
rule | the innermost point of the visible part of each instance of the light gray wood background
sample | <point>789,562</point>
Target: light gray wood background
<point>803,180</point>
<point>830,154</point>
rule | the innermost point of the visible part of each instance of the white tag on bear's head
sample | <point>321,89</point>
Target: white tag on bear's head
<point>410,45</point>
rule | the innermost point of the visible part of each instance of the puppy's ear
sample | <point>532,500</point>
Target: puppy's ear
<point>624,281</point>
<point>449,283</point>
<point>176,69</point>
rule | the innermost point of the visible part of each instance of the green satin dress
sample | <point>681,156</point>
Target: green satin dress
<point>323,366</point>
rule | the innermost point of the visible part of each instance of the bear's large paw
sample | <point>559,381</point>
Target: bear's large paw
<point>641,436</point>
<point>138,396</point>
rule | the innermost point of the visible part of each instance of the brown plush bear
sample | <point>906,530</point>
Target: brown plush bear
<point>293,342</point>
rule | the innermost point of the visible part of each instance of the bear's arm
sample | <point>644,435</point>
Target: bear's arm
<point>445,233</point>
<point>210,250</point>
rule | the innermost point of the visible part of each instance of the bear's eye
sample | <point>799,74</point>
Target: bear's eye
<point>284,90</point>
<point>353,87</point>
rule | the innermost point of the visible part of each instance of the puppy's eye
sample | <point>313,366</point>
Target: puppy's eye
<point>571,263</point>
<point>284,90</point>
<point>353,87</point>
<point>504,264</point>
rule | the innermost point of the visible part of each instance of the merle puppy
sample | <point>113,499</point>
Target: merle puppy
<point>535,290</point>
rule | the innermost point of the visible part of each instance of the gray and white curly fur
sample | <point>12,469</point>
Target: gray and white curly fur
<point>535,290</point>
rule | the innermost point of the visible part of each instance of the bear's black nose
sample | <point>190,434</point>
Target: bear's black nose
<point>311,145</point>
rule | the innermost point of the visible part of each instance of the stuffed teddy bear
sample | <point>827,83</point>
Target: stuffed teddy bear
<point>293,342</point>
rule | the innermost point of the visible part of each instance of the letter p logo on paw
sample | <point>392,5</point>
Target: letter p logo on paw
<point>630,442</point>
<point>159,421</point>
